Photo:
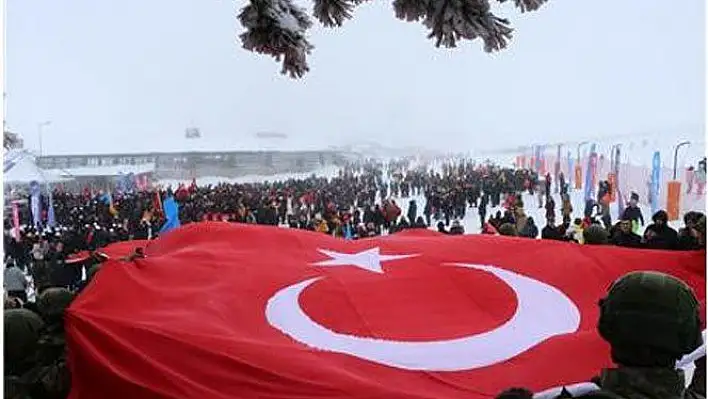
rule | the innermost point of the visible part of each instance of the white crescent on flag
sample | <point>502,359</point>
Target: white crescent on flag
<point>542,312</point>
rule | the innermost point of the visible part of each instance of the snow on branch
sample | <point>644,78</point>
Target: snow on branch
<point>279,28</point>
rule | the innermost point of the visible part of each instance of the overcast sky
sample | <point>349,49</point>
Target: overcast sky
<point>120,75</point>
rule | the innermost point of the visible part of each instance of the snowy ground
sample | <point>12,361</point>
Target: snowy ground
<point>472,223</point>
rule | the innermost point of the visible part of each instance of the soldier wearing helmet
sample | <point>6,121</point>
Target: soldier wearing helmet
<point>651,320</point>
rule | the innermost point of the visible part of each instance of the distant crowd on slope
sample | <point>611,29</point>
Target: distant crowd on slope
<point>358,203</point>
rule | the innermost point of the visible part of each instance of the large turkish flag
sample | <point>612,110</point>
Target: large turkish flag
<point>220,310</point>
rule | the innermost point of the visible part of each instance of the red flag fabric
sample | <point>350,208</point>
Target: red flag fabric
<point>218,310</point>
<point>78,257</point>
<point>122,248</point>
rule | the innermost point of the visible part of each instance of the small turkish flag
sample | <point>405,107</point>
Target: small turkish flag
<point>219,310</point>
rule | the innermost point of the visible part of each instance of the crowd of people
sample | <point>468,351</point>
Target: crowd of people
<point>361,201</point>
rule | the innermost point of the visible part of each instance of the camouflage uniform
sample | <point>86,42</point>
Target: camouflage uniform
<point>22,331</point>
<point>49,375</point>
<point>650,320</point>
<point>648,383</point>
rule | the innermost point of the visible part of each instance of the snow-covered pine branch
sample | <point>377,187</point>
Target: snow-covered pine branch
<point>9,140</point>
<point>279,27</point>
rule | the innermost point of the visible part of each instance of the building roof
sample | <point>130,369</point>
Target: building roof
<point>182,145</point>
<point>20,167</point>
<point>111,170</point>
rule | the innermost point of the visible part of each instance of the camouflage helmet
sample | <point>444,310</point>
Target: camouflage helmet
<point>52,303</point>
<point>22,330</point>
<point>650,319</point>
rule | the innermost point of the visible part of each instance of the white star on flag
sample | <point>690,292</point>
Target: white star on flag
<point>368,260</point>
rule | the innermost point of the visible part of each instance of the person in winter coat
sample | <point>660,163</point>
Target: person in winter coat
<point>550,207</point>
<point>412,210</point>
<point>633,213</point>
<point>551,231</point>
<point>420,223</point>
<point>688,235</point>
<point>520,219</point>
<point>508,229</point>
<point>441,228</point>
<point>540,193</point>
<point>482,209</point>
<point>15,282</point>
<point>457,228</point>
<point>548,184</point>
<point>595,235</point>
<point>566,207</point>
<point>623,235</point>
<point>488,228</point>
<point>530,230</point>
<point>575,231</point>
<point>427,212</point>
<point>562,183</point>
<point>320,225</point>
<point>659,235</point>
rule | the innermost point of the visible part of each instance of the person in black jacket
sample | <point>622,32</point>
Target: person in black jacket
<point>633,213</point>
<point>412,210</point>
<point>624,236</point>
<point>551,231</point>
<point>688,236</point>
<point>457,228</point>
<point>530,230</point>
<point>659,235</point>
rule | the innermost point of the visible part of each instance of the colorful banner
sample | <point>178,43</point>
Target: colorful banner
<point>620,198</point>
<point>655,181</point>
<point>51,218</point>
<point>36,203</point>
<point>590,173</point>
<point>537,164</point>
<point>16,220</point>
<point>171,210</point>
<point>570,176</point>
<point>556,169</point>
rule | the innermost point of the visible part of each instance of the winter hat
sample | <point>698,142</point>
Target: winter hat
<point>52,303</point>
<point>660,215</point>
<point>22,329</point>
